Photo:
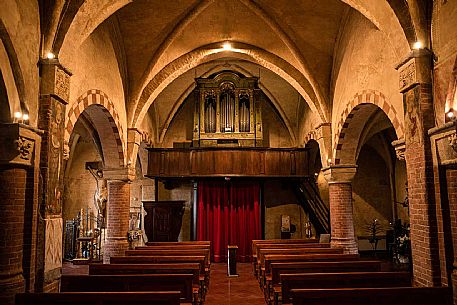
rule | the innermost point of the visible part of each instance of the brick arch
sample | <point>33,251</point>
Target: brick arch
<point>352,109</point>
<point>97,97</point>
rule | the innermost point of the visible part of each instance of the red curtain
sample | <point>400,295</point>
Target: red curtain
<point>229,214</point>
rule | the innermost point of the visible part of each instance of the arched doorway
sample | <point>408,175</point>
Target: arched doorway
<point>93,146</point>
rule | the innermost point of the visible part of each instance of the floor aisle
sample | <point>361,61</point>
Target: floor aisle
<point>242,290</point>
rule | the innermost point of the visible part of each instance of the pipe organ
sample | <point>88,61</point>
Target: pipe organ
<point>227,111</point>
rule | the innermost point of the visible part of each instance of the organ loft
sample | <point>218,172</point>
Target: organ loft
<point>209,152</point>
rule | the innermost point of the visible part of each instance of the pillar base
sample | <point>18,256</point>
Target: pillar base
<point>114,247</point>
<point>349,245</point>
<point>9,287</point>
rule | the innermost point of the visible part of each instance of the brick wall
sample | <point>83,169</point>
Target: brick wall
<point>117,219</point>
<point>451,178</point>
<point>12,189</point>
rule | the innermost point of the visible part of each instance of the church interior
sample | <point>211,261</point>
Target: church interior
<point>224,133</point>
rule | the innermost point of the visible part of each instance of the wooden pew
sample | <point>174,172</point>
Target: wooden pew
<point>171,252</point>
<point>100,298</point>
<point>173,247</point>
<point>339,280</point>
<point>154,259</point>
<point>256,242</point>
<point>273,281</point>
<point>174,268</point>
<point>289,251</point>
<point>259,247</point>
<point>124,283</point>
<point>373,296</point>
<point>314,257</point>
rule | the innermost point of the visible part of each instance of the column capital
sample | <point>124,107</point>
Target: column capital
<point>415,68</point>
<point>341,173</point>
<point>400,148</point>
<point>19,144</point>
<point>55,80</point>
<point>126,174</point>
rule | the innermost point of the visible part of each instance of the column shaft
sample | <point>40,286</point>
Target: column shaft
<point>341,219</point>
<point>117,219</point>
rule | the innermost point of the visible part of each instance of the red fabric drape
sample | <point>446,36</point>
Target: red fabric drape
<point>229,214</point>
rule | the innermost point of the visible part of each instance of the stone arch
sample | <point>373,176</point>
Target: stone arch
<point>364,97</point>
<point>106,120</point>
<point>352,126</point>
<point>221,67</point>
<point>5,109</point>
<point>210,52</point>
<point>451,94</point>
<point>16,71</point>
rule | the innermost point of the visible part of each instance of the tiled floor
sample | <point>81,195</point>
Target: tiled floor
<point>242,290</point>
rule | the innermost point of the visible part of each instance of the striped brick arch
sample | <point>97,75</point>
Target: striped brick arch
<point>110,125</point>
<point>353,112</point>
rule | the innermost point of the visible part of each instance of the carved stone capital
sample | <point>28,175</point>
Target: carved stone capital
<point>415,69</point>
<point>55,80</point>
<point>341,173</point>
<point>453,141</point>
<point>400,148</point>
<point>19,144</point>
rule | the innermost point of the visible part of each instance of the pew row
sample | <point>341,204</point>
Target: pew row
<point>338,280</point>
<point>373,296</point>
<point>265,269</point>
<point>125,283</point>
<point>273,282</point>
<point>100,298</point>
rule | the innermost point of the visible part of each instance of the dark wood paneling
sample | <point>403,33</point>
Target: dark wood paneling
<point>247,162</point>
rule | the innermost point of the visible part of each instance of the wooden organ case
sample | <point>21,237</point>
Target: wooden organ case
<point>227,111</point>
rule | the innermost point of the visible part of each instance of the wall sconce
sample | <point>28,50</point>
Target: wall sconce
<point>450,115</point>
<point>20,117</point>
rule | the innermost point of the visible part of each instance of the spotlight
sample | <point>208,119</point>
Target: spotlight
<point>227,46</point>
<point>17,115</point>
<point>417,45</point>
<point>50,55</point>
<point>25,117</point>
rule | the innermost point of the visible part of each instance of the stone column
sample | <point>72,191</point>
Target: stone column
<point>19,159</point>
<point>416,85</point>
<point>339,178</point>
<point>118,211</point>
<point>54,96</point>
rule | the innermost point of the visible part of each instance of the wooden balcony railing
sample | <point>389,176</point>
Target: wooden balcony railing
<point>243,162</point>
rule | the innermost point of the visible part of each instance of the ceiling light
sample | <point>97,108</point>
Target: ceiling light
<point>50,55</point>
<point>227,46</point>
<point>417,45</point>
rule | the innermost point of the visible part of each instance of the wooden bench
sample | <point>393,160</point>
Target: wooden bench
<point>273,281</point>
<point>175,268</point>
<point>257,242</point>
<point>133,282</point>
<point>173,252</point>
<point>290,251</point>
<point>259,247</point>
<point>338,280</point>
<point>100,298</point>
<point>265,269</point>
<point>154,259</point>
<point>373,296</point>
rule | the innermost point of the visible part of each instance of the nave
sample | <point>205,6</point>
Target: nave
<point>288,272</point>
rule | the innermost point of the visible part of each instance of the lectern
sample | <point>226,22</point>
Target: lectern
<point>231,264</point>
